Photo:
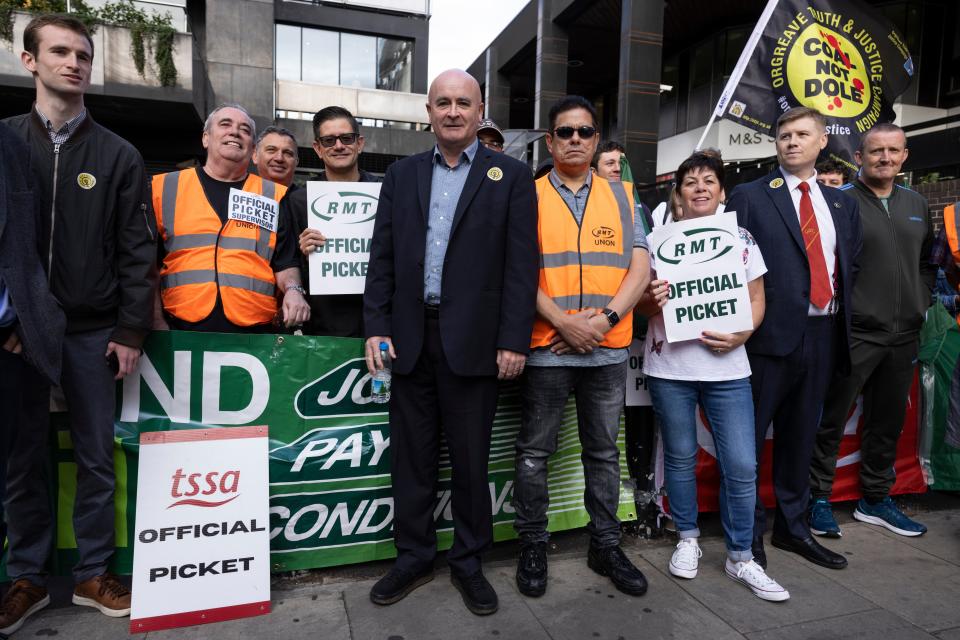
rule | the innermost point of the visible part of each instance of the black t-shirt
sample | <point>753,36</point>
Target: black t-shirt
<point>284,257</point>
<point>333,315</point>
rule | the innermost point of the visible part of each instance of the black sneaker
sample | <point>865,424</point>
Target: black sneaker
<point>477,593</point>
<point>532,569</point>
<point>613,563</point>
<point>395,586</point>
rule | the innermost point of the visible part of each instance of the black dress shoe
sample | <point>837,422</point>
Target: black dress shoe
<point>532,569</point>
<point>811,550</point>
<point>477,593</point>
<point>613,563</point>
<point>395,586</point>
<point>759,553</point>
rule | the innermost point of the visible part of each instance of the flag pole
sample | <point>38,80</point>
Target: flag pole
<point>738,70</point>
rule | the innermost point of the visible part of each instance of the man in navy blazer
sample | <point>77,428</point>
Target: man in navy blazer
<point>31,322</point>
<point>451,289</point>
<point>814,232</point>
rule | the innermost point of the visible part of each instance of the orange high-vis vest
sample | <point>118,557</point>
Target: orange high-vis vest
<point>205,256</point>
<point>582,266</point>
<point>951,224</point>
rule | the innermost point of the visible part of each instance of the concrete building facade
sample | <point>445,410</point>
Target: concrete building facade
<point>281,59</point>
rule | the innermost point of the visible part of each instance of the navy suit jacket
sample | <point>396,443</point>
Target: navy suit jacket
<point>490,271</point>
<point>769,215</point>
<point>41,323</point>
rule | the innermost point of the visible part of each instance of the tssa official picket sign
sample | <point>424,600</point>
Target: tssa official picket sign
<point>344,213</point>
<point>202,546</point>
<point>702,261</point>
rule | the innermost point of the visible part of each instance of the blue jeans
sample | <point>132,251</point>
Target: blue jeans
<point>728,405</point>
<point>600,396</point>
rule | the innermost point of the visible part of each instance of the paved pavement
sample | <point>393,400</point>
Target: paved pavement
<point>895,588</point>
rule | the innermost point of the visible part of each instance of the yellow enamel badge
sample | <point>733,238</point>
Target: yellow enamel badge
<point>776,183</point>
<point>86,181</point>
<point>495,174</point>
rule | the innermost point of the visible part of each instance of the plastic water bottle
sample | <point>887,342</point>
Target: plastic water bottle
<point>380,384</point>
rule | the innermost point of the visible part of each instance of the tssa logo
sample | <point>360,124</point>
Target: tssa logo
<point>345,207</point>
<point>344,390</point>
<point>212,483</point>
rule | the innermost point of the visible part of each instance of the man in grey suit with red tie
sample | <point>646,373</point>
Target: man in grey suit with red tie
<point>814,231</point>
<point>451,288</point>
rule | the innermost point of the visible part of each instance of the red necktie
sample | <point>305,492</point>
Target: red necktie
<point>820,292</point>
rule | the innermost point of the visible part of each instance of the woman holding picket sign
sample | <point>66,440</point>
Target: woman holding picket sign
<point>714,373</point>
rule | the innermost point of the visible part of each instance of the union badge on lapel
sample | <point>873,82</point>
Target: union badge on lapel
<point>776,183</point>
<point>495,174</point>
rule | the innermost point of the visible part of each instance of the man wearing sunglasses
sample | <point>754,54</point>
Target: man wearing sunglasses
<point>593,268</point>
<point>338,143</point>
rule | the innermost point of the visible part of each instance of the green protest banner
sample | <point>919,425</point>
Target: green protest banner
<point>331,500</point>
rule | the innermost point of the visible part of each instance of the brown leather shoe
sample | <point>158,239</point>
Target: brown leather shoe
<point>22,601</point>
<point>105,593</point>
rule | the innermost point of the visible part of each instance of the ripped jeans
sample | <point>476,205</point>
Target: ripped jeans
<point>599,393</point>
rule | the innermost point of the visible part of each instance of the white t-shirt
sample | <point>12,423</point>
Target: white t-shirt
<point>691,359</point>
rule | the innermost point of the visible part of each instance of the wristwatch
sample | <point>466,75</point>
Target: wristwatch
<point>612,316</point>
<point>298,288</point>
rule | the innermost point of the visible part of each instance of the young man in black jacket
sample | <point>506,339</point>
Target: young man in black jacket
<point>99,245</point>
<point>890,300</point>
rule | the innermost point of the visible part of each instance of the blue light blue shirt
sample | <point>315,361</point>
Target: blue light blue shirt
<point>446,185</point>
<point>8,315</point>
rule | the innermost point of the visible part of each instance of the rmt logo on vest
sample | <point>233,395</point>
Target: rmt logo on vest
<point>212,483</point>
<point>605,236</point>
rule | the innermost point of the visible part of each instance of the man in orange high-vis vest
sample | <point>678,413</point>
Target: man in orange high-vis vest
<point>946,255</point>
<point>593,268</point>
<point>225,250</point>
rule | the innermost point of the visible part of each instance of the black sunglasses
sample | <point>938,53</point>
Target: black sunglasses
<point>344,138</point>
<point>565,133</point>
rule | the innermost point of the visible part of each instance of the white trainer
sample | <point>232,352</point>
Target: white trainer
<point>686,558</point>
<point>752,576</point>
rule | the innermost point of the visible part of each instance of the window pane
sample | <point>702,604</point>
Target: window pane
<point>701,65</point>
<point>394,64</point>
<point>736,41</point>
<point>321,56</point>
<point>358,61</point>
<point>288,52</point>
